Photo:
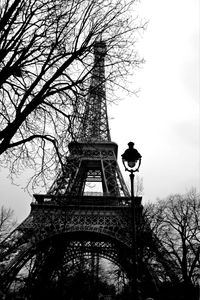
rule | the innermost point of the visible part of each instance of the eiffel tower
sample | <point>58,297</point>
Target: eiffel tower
<point>85,216</point>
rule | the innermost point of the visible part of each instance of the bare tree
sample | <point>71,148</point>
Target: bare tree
<point>7,222</point>
<point>176,223</point>
<point>138,186</point>
<point>45,65</point>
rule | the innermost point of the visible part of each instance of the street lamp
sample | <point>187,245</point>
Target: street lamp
<point>131,159</point>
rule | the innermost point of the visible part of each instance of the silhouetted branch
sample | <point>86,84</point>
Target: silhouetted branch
<point>46,62</point>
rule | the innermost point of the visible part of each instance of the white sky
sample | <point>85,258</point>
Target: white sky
<point>163,120</point>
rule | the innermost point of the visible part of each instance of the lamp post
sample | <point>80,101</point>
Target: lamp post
<point>131,159</point>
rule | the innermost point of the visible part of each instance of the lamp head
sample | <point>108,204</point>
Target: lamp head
<point>130,157</point>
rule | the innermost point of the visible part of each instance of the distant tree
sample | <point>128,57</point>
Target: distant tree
<point>45,64</point>
<point>7,222</point>
<point>138,186</point>
<point>176,223</point>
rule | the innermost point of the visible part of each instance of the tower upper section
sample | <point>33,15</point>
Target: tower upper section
<point>91,166</point>
<point>94,126</point>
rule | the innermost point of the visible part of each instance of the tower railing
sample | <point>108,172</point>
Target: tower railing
<point>84,200</point>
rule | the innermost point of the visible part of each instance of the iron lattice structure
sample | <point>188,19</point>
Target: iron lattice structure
<point>68,225</point>
<point>94,126</point>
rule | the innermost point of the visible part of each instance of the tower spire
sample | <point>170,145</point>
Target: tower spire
<point>94,126</point>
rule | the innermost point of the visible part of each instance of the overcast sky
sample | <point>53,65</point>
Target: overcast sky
<point>163,120</point>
